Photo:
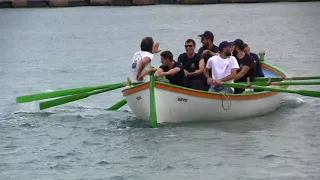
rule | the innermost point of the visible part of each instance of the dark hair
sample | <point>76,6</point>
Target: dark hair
<point>191,41</point>
<point>241,47</point>
<point>167,55</point>
<point>147,44</point>
<point>245,45</point>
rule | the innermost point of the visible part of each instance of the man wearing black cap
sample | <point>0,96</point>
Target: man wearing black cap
<point>258,69</point>
<point>223,69</point>
<point>235,43</point>
<point>208,46</point>
<point>246,63</point>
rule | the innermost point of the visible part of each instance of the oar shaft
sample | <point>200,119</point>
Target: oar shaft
<point>266,88</point>
<point>287,78</point>
<point>284,83</point>
<point>118,105</point>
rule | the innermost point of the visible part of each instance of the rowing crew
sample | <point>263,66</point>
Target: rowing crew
<point>205,70</point>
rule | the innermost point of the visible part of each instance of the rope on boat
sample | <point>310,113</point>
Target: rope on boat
<point>226,97</point>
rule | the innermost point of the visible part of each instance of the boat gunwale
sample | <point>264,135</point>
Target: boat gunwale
<point>206,94</point>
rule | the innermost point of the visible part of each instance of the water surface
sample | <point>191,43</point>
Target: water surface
<point>50,48</point>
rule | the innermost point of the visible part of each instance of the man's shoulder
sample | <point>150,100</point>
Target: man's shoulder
<point>232,58</point>
<point>197,55</point>
<point>164,68</point>
<point>200,50</point>
<point>178,64</point>
<point>248,57</point>
<point>183,54</point>
<point>144,53</point>
<point>214,58</point>
<point>255,56</point>
<point>215,49</point>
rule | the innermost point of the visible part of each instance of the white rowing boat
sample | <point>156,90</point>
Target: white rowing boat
<point>177,104</point>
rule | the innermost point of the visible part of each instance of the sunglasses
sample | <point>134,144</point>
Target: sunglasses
<point>186,46</point>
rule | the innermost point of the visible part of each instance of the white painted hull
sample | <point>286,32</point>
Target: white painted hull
<point>195,108</point>
<point>176,104</point>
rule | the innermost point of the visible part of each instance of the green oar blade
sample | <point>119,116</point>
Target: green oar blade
<point>59,93</point>
<point>47,95</point>
<point>118,105</point>
<point>64,100</point>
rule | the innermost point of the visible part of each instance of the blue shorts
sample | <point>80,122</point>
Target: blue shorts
<point>221,89</point>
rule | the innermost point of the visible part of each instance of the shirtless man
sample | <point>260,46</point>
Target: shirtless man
<point>141,61</point>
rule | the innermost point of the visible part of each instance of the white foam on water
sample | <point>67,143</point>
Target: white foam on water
<point>29,107</point>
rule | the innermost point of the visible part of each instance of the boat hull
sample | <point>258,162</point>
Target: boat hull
<point>176,107</point>
<point>177,104</point>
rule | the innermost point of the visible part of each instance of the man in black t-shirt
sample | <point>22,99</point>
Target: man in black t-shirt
<point>246,63</point>
<point>207,39</point>
<point>173,70</point>
<point>258,68</point>
<point>190,61</point>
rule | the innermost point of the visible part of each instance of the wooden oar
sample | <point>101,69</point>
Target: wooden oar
<point>118,105</point>
<point>59,93</point>
<point>301,92</point>
<point>284,83</point>
<point>288,78</point>
<point>67,99</point>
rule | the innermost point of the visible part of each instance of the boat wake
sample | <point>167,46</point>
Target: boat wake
<point>291,103</point>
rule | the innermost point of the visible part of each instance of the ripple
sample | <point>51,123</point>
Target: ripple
<point>88,143</point>
<point>60,167</point>
<point>73,153</point>
<point>138,157</point>
<point>103,163</point>
<point>270,156</point>
<point>116,178</point>
<point>168,167</point>
<point>11,146</point>
<point>33,114</point>
<point>107,163</point>
<point>100,132</point>
<point>27,125</point>
<point>59,157</point>
<point>292,103</point>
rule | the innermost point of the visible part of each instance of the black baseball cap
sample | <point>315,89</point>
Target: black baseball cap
<point>224,44</point>
<point>207,34</point>
<point>238,42</point>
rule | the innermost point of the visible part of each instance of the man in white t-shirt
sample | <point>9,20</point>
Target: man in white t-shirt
<point>141,61</point>
<point>223,69</point>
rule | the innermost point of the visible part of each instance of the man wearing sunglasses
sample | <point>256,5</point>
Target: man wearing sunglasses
<point>190,61</point>
<point>208,47</point>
